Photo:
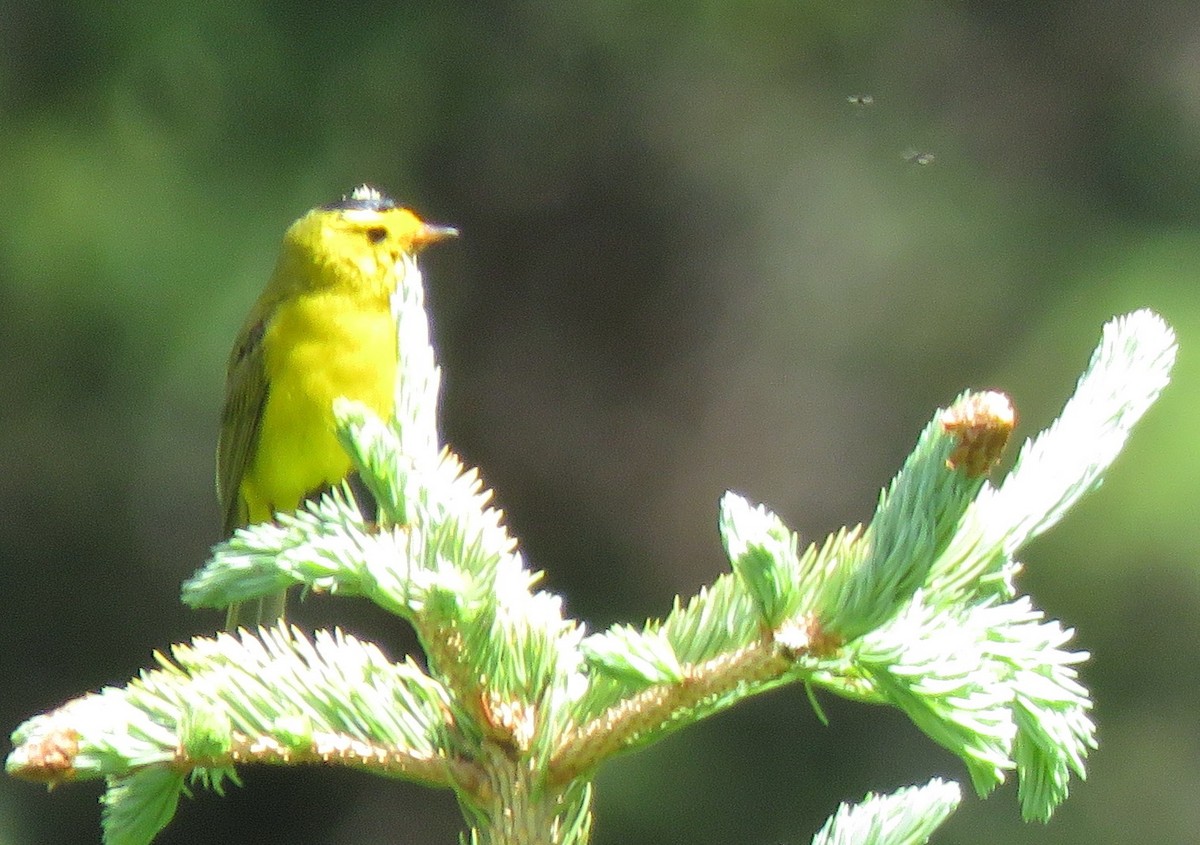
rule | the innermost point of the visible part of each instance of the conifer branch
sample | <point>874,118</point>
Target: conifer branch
<point>517,707</point>
<point>906,817</point>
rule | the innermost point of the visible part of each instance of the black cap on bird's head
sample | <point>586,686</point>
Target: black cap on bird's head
<point>363,198</point>
<point>379,216</point>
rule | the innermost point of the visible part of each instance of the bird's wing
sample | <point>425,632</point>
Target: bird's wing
<point>245,397</point>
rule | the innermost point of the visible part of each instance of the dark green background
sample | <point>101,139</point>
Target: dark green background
<point>687,264</point>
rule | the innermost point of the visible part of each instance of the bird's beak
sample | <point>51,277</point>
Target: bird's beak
<point>431,233</point>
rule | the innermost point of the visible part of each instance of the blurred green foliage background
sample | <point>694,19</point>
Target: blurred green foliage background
<point>688,264</point>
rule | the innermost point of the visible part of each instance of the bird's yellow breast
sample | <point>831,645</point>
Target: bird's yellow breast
<point>316,347</point>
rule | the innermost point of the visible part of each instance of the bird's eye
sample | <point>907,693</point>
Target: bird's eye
<point>376,234</point>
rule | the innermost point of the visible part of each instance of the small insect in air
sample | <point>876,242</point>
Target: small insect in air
<point>860,100</point>
<point>918,157</point>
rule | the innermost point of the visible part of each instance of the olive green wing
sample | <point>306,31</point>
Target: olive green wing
<point>245,398</point>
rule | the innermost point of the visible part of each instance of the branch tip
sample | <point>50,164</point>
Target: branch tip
<point>982,424</point>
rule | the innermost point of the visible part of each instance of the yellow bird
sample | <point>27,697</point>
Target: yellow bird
<point>322,328</point>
